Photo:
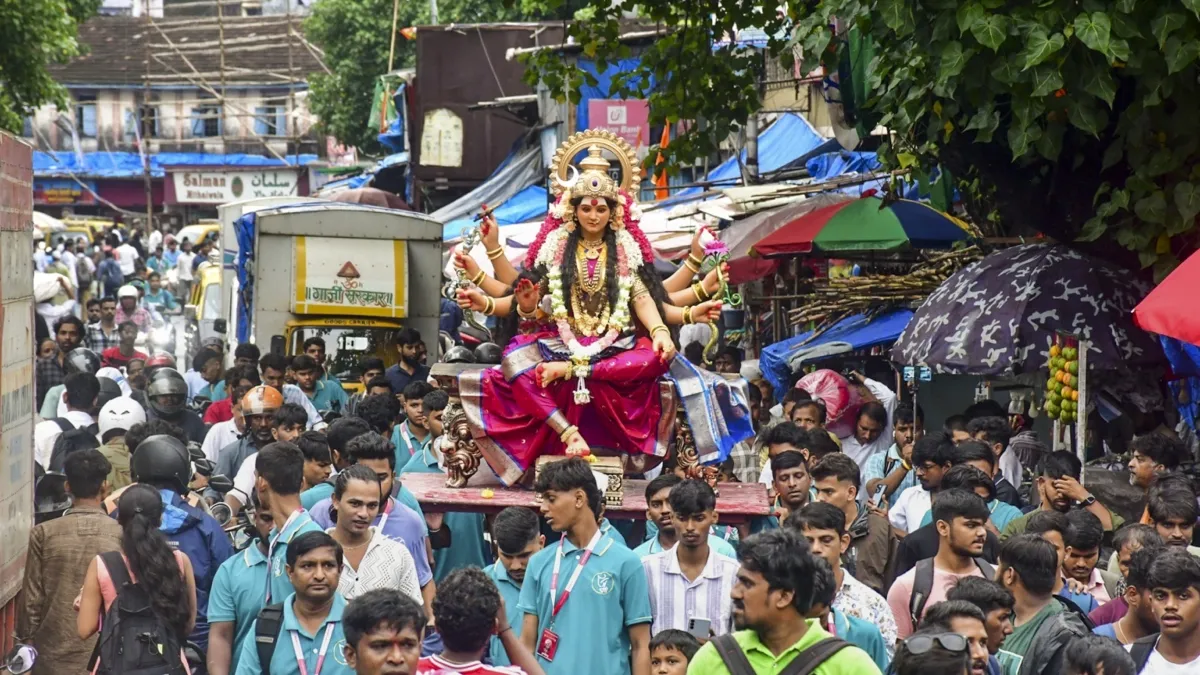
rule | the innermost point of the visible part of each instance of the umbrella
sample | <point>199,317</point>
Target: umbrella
<point>372,197</point>
<point>867,224</point>
<point>742,235</point>
<point>999,315</point>
<point>1168,309</point>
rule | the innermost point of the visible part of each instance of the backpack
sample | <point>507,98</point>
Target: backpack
<point>923,585</point>
<point>70,440</point>
<point>1070,607</point>
<point>1141,649</point>
<point>805,662</point>
<point>134,640</point>
<point>266,633</point>
<point>83,272</point>
<point>110,273</point>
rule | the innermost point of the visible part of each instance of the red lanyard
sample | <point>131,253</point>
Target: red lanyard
<point>558,556</point>
<point>404,437</point>
<point>300,663</point>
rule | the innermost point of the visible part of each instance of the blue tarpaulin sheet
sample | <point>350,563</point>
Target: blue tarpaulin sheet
<point>243,230</point>
<point>855,330</point>
<point>602,90</point>
<point>528,204</point>
<point>834,164</point>
<point>1183,357</point>
<point>790,137</point>
<point>129,164</point>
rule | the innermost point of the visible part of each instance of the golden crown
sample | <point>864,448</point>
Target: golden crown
<point>591,179</point>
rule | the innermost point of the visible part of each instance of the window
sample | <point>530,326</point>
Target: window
<point>85,116</point>
<point>206,121</point>
<point>148,123</point>
<point>270,121</point>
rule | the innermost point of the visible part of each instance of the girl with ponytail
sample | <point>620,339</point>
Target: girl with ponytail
<point>164,573</point>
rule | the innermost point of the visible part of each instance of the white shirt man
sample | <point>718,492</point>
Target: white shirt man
<point>153,241</point>
<point>127,257</point>
<point>386,564</point>
<point>47,432</point>
<point>861,453</point>
<point>910,509</point>
<point>674,600</point>
<point>220,435</point>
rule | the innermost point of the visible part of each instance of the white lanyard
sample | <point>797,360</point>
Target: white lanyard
<point>558,557</point>
<point>271,549</point>
<point>300,663</point>
<point>404,437</point>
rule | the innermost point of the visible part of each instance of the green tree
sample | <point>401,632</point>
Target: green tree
<point>1072,117</point>
<point>356,37</point>
<point>34,35</point>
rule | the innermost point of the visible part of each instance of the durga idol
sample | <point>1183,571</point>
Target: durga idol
<point>591,341</point>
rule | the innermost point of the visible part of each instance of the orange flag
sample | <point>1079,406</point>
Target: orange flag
<point>660,178</point>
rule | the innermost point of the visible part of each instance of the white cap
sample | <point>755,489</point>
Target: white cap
<point>120,413</point>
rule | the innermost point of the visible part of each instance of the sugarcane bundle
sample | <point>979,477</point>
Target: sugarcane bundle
<point>831,300</point>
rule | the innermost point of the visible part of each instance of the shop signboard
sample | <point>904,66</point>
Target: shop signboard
<point>63,192</point>
<point>629,119</point>
<point>222,187</point>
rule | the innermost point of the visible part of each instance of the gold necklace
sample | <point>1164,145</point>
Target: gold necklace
<point>591,282</point>
<point>592,249</point>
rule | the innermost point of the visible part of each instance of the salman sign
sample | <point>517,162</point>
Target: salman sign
<point>222,187</point>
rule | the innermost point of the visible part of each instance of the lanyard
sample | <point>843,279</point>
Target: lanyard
<point>384,516</point>
<point>404,437</point>
<point>271,548</point>
<point>558,556</point>
<point>300,663</point>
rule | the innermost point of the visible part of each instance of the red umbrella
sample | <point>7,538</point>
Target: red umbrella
<point>1169,308</point>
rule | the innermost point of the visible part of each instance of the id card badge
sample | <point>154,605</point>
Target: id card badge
<point>548,644</point>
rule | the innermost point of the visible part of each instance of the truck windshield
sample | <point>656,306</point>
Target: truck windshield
<point>347,346</point>
<point>212,301</point>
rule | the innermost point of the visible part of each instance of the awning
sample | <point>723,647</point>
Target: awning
<point>777,361</point>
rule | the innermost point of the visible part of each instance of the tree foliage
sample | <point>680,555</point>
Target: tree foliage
<point>1071,117</point>
<point>355,36</point>
<point>34,35</point>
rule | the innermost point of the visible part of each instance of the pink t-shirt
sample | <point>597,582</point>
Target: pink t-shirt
<point>109,592</point>
<point>900,595</point>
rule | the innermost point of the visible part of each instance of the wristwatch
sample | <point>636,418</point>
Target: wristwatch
<point>1091,499</point>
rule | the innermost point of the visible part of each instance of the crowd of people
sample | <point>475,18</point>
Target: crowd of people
<point>896,548</point>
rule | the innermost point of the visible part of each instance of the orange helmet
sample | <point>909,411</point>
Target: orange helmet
<point>261,400</point>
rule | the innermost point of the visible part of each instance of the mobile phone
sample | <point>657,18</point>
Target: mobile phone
<point>880,490</point>
<point>699,628</point>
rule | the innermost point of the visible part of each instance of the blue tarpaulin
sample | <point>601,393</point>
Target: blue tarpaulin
<point>855,331</point>
<point>603,88</point>
<point>528,204</point>
<point>243,230</point>
<point>834,164</point>
<point>790,137</point>
<point>129,164</point>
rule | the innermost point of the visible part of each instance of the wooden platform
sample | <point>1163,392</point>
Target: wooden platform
<point>736,502</point>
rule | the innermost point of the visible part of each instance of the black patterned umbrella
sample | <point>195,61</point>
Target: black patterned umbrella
<point>999,315</point>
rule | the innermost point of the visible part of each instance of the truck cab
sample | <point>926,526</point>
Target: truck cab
<point>354,275</point>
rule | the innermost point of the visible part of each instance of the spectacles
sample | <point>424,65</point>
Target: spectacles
<point>919,644</point>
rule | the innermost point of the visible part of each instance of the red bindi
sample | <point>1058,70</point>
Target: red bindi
<point>595,202</point>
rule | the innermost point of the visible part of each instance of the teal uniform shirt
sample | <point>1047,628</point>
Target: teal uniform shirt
<point>862,634</point>
<point>511,592</point>
<point>328,396</point>
<point>407,445</point>
<point>714,542</point>
<point>237,594</point>
<point>218,394</point>
<point>467,545</point>
<point>283,661</point>
<point>280,585</point>
<point>610,596</point>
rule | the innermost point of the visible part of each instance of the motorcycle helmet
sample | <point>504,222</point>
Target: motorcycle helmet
<point>159,360</point>
<point>50,496</point>
<point>489,353</point>
<point>117,376</point>
<point>167,382</point>
<point>119,414</point>
<point>109,390</point>
<point>162,459</point>
<point>261,400</point>
<point>127,291</point>
<point>82,360</point>
<point>459,354</point>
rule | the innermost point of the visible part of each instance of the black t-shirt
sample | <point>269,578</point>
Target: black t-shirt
<point>1006,493</point>
<point>923,543</point>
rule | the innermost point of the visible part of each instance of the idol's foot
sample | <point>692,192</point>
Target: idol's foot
<point>576,446</point>
<point>549,372</point>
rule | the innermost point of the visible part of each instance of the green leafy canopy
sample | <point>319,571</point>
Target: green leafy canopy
<point>34,35</point>
<point>1069,117</point>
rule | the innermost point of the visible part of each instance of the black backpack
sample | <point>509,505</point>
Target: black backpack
<point>266,634</point>
<point>70,440</point>
<point>805,663</point>
<point>923,585</point>
<point>134,640</point>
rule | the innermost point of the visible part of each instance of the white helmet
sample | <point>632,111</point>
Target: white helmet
<point>116,376</point>
<point>127,291</point>
<point>120,413</point>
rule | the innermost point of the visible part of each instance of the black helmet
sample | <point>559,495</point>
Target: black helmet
<point>162,459</point>
<point>459,354</point>
<point>109,389</point>
<point>166,382</point>
<point>82,360</point>
<point>488,352</point>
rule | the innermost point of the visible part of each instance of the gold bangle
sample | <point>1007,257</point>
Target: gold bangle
<point>687,315</point>
<point>694,260</point>
<point>694,267</point>
<point>479,277</point>
<point>658,328</point>
<point>567,432</point>
<point>701,293</point>
<point>490,307</point>
<point>495,253</point>
<point>526,315</point>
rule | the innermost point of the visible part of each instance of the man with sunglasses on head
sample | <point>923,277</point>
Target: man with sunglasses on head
<point>932,650</point>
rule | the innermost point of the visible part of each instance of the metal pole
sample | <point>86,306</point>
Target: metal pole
<point>392,49</point>
<point>752,149</point>
<point>141,121</point>
<point>433,18</point>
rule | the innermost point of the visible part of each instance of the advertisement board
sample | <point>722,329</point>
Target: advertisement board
<point>63,192</point>
<point>362,277</point>
<point>628,119</point>
<point>220,187</point>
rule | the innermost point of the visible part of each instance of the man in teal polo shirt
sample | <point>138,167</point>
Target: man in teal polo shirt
<point>413,435</point>
<point>311,630</point>
<point>517,536</point>
<point>322,394</point>
<point>658,514</point>
<point>771,598</point>
<point>280,474</point>
<point>236,597</point>
<point>602,625</point>
<point>467,545</point>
